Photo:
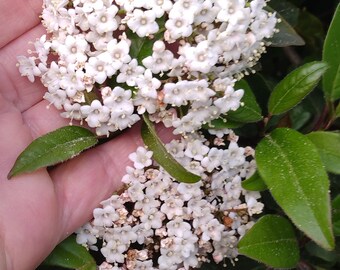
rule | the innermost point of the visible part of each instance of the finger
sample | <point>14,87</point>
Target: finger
<point>82,183</point>
<point>19,90</point>
<point>28,207</point>
<point>30,219</point>
<point>17,17</point>
<point>42,119</point>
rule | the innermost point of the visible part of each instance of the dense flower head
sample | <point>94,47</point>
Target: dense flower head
<point>175,60</point>
<point>157,222</point>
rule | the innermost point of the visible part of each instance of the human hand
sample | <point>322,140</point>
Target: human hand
<point>40,209</point>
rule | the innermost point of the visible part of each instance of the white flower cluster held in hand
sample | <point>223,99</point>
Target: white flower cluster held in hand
<point>157,222</point>
<point>93,68</point>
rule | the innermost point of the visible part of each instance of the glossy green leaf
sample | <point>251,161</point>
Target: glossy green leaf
<point>250,111</point>
<point>319,252</point>
<point>254,183</point>
<point>261,90</point>
<point>305,116</point>
<point>271,241</point>
<point>69,254</point>
<point>163,157</point>
<point>52,148</point>
<point>328,145</point>
<point>290,165</point>
<point>286,9</point>
<point>295,87</point>
<point>286,36</point>
<point>331,55</point>
<point>312,31</point>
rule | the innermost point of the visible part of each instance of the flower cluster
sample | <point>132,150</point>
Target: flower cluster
<point>157,222</point>
<point>107,62</point>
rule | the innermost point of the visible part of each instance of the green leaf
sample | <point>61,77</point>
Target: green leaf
<point>290,165</point>
<point>312,31</point>
<point>328,145</point>
<point>306,115</point>
<point>142,47</point>
<point>319,252</point>
<point>271,241</point>
<point>295,87</point>
<point>261,90</point>
<point>286,36</point>
<point>163,157</point>
<point>250,111</point>
<point>71,255</point>
<point>52,148</point>
<point>254,183</point>
<point>331,55</point>
<point>286,9</point>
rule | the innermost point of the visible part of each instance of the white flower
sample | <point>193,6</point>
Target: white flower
<point>86,235</point>
<point>189,191</point>
<point>141,158</point>
<point>104,20</point>
<point>143,22</point>
<point>178,227</point>
<point>72,111</point>
<point>148,85</point>
<point>129,72</point>
<point>174,94</point>
<point>172,207</point>
<point>152,218</point>
<point>233,188</point>
<point>73,81</point>
<point>199,58</point>
<point>130,5</point>
<point>57,98</point>
<point>196,150</point>
<point>100,67</point>
<point>230,100</point>
<point>147,204</point>
<point>212,230</point>
<point>113,251</point>
<point>95,113</point>
<point>169,259</point>
<point>119,52</point>
<point>206,12</point>
<point>142,233</point>
<point>175,148</point>
<point>42,48</point>
<point>73,49</point>
<point>160,6</point>
<point>187,245</point>
<point>136,191</point>
<point>213,159</point>
<point>219,132</point>
<point>28,67</point>
<point>254,207</point>
<point>145,265</point>
<point>104,216</point>
<point>188,7</point>
<point>160,60</point>
<point>179,25</point>
<point>234,155</point>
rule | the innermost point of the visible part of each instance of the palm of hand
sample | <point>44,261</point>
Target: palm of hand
<point>39,209</point>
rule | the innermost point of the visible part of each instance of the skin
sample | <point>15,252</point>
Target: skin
<point>40,209</point>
